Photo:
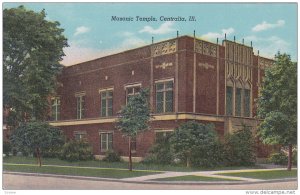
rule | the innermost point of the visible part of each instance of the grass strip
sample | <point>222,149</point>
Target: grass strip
<point>193,178</point>
<point>88,172</point>
<point>78,167</point>
<point>268,174</point>
<point>116,165</point>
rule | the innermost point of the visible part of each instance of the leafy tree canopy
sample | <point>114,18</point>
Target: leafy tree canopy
<point>277,105</point>
<point>34,137</point>
<point>240,147</point>
<point>32,49</point>
<point>277,102</point>
<point>191,137</point>
<point>135,116</point>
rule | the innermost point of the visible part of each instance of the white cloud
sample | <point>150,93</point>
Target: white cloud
<point>81,30</point>
<point>162,29</point>
<point>132,42</point>
<point>269,46</point>
<point>265,26</point>
<point>79,51</point>
<point>214,35</point>
<point>125,34</point>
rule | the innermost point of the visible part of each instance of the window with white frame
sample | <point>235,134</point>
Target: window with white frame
<point>106,102</point>
<point>132,90</point>
<point>80,135</point>
<point>55,105</point>
<point>106,141</point>
<point>163,135</point>
<point>80,101</point>
<point>229,98</point>
<point>238,99</point>
<point>164,96</point>
<point>247,100</point>
<point>133,144</point>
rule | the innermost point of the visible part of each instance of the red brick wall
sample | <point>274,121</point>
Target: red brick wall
<point>120,143</point>
<point>90,77</point>
<point>206,85</point>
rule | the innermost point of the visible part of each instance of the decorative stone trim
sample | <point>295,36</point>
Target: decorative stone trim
<point>263,62</point>
<point>81,93</point>
<point>206,65</point>
<point>181,116</point>
<point>206,48</point>
<point>163,48</point>
<point>164,65</point>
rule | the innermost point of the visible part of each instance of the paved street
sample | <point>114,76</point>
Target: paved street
<point>21,182</point>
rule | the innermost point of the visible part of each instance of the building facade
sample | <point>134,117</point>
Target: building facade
<point>188,79</point>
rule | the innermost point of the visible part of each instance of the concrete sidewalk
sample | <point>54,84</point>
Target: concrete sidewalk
<point>167,174</point>
<point>213,174</point>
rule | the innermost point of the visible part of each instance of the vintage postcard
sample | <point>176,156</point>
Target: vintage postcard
<point>150,96</point>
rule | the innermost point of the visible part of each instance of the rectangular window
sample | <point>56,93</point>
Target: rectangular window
<point>162,136</point>
<point>247,102</point>
<point>164,96</point>
<point>106,141</point>
<point>238,102</point>
<point>131,91</point>
<point>106,103</point>
<point>80,135</point>
<point>55,104</point>
<point>133,144</point>
<point>229,100</point>
<point>80,106</point>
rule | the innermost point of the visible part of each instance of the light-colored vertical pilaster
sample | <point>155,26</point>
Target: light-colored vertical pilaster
<point>194,78</point>
<point>218,83</point>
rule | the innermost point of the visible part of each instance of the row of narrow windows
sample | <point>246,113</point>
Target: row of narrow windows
<point>240,104</point>
<point>106,139</point>
<point>164,100</point>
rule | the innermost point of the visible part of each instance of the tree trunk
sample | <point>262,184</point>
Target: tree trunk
<point>38,156</point>
<point>129,148</point>
<point>289,168</point>
<point>188,161</point>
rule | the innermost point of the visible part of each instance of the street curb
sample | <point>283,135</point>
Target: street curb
<point>152,182</point>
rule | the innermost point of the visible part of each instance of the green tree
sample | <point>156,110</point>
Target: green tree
<point>277,105</point>
<point>239,147</point>
<point>32,49</point>
<point>35,137</point>
<point>192,138</point>
<point>134,118</point>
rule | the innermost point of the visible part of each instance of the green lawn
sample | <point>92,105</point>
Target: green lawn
<point>276,174</point>
<point>193,178</point>
<point>124,165</point>
<point>89,172</point>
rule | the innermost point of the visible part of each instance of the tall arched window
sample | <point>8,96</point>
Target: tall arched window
<point>229,97</point>
<point>247,100</point>
<point>238,99</point>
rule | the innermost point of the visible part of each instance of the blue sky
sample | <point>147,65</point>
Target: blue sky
<point>91,34</point>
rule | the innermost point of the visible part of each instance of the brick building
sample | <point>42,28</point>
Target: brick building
<point>188,78</point>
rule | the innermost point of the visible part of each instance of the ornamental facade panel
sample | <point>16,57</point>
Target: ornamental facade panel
<point>164,48</point>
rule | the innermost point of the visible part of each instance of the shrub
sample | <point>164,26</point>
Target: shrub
<point>53,152</point>
<point>76,150</point>
<point>112,156</point>
<point>278,158</point>
<point>240,148</point>
<point>7,148</point>
<point>160,152</point>
<point>194,143</point>
<point>210,156</point>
